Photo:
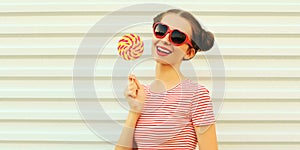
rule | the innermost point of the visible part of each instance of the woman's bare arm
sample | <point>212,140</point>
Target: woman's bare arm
<point>135,96</point>
<point>126,138</point>
<point>206,136</point>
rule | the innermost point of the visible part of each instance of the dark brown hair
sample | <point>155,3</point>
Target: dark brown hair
<point>202,40</point>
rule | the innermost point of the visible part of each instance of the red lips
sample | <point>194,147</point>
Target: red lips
<point>162,51</point>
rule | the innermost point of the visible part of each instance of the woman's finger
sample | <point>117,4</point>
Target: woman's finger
<point>132,85</point>
<point>137,83</point>
<point>131,77</point>
<point>131,93</point>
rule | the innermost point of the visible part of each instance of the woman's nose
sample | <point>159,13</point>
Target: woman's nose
<point>166,40</point>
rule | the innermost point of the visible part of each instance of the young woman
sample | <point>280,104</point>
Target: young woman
<point>173,112</point>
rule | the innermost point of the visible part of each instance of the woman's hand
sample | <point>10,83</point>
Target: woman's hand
<point>135,94</point>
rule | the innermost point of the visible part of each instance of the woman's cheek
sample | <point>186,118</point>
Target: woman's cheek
<point>154,43</point>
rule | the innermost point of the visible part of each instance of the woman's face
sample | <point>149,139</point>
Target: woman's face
<point>176,53</point>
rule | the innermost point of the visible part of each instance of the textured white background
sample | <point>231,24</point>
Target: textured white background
<point>259,40</point>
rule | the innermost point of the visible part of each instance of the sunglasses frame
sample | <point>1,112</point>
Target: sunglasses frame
<point>186,41</point>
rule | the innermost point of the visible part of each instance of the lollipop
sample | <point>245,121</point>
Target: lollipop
<point>130,47</point>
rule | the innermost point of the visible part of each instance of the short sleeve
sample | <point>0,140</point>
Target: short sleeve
<point>202,108</point>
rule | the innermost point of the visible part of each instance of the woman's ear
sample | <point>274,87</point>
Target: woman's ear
<point>190,53</point>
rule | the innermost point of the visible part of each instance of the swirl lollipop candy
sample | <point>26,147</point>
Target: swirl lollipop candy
<point>130,47</point>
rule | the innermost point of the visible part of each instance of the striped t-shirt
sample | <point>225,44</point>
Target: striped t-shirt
<point>168,119</point>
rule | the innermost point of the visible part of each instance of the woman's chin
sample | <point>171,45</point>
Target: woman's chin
<point>163,61</point>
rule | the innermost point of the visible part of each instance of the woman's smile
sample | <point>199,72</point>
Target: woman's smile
<point>163,51</point>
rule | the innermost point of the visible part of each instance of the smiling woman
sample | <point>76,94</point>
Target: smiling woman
<point>173,112</point>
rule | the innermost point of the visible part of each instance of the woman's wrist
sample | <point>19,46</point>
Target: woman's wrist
<point>132,119</point>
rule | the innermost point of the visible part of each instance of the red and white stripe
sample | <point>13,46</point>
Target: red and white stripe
<point>168,119</point>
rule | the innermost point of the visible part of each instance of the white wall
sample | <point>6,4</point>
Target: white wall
<point>259,41</point>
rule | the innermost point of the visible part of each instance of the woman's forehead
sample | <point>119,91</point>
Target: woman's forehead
<point>175,21</point>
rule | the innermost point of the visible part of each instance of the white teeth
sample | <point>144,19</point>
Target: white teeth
<point>163,50</point>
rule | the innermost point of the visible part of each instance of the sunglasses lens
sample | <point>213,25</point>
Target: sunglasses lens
<point>160,30</point>
<point>178,37</point>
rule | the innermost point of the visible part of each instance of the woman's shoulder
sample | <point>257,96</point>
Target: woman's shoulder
<point>196,86</point>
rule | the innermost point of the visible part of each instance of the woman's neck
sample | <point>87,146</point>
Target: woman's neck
<point>168,73</point>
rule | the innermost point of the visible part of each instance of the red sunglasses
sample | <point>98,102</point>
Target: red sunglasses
<point>176,36</point>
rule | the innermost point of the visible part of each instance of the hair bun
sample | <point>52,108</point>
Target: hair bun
<point>207,40</point>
